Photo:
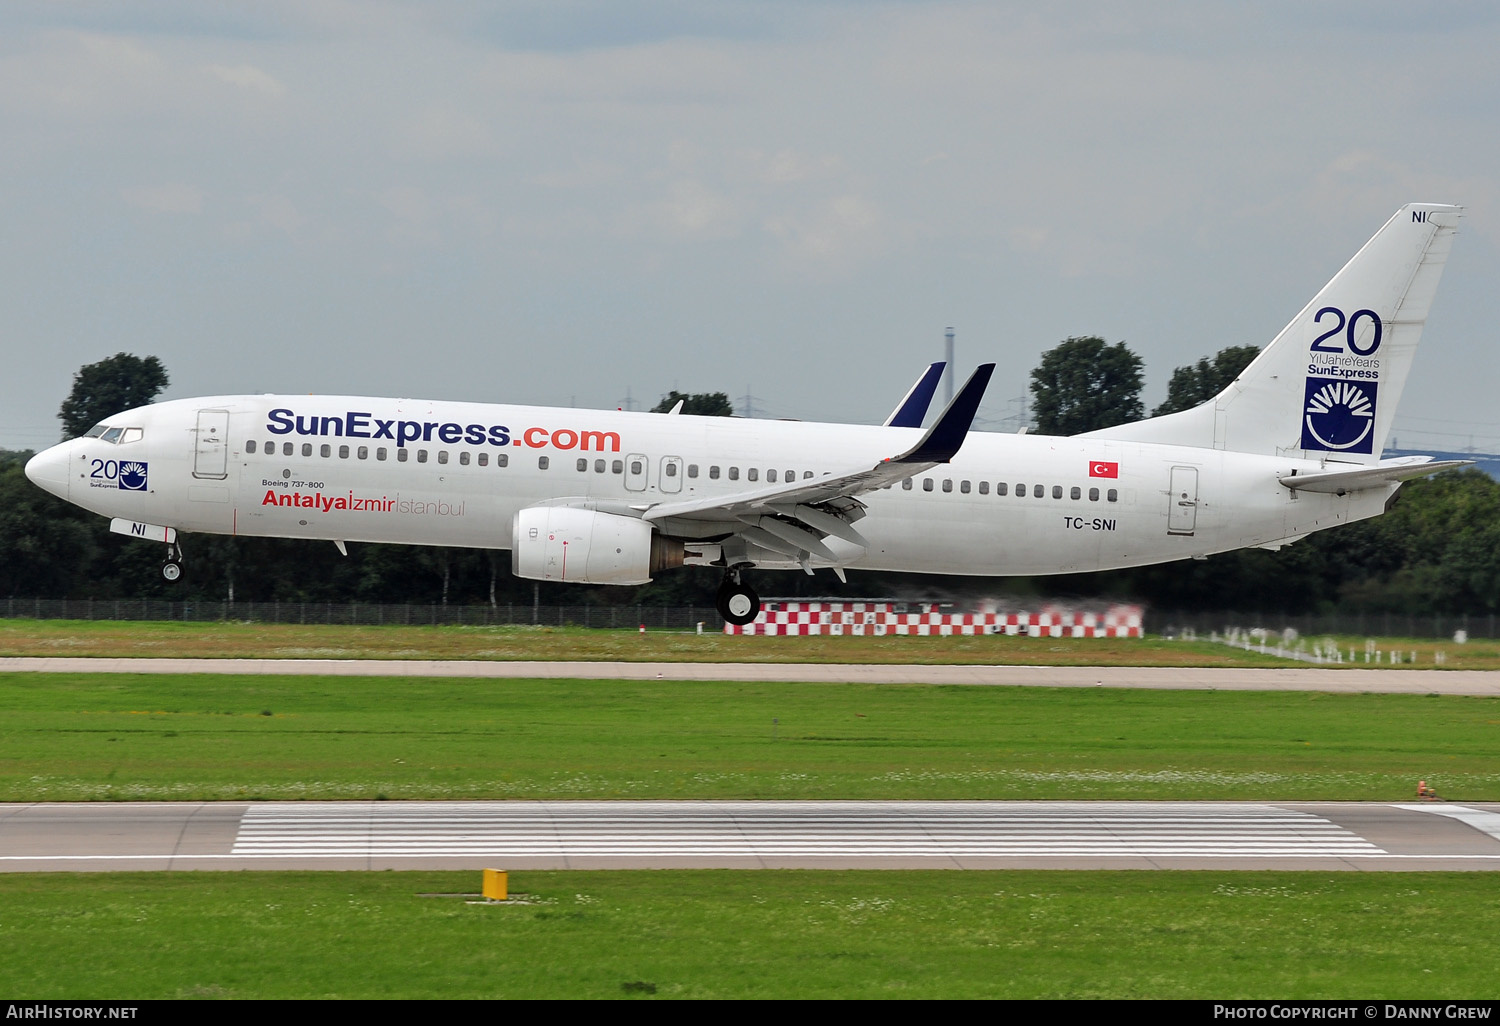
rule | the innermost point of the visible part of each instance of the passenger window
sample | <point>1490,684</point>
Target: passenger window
<point>1020,491</point>
<point>1076,493</point>
<point>306,448</point>
<point>753,474</point>
<point>734,473</point>
<point>713,472</point>
<point>343,452</point>
<point>442,455</point>
<point>1001,488</point>
<point>617,467</point>
<point>671,470</point>
<point>402,455</point>
<point>771,477</point>
<point>463,458</point>
<point>947,484</point>
<point>249,446</point>
<point>791,475</point>
<point>502,459</point>
<point>635,466</point>
<point>483,458</point>
<point>906,485</point>
<point>380,455</point>
<point>1038,491</point>
<point>325,451</point>
<point>808,473</point>
<point>1057,491</point>
<point>984,487</point>
<point>1112,495</point>
<point>421,455</point>
<point>1093,495</point>
<point>543,462</point>
<point>363,453</point>
<point>598,466</point>
<point>926,484</point>
<point>583,465</point>
<point>692,470</point>
<point>287,449</point>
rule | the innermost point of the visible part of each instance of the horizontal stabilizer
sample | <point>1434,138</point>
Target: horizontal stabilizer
<point>1340,482</point>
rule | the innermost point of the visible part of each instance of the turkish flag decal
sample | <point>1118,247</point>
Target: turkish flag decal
<point>1097,469</point>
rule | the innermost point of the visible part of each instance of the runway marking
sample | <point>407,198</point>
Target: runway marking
<point>1480,819</point>
<point>790,829</point>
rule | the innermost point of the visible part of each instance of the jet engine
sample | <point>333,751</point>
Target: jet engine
<point>584,546</point>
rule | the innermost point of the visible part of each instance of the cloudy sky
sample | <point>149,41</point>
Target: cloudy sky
<point>568,201</point>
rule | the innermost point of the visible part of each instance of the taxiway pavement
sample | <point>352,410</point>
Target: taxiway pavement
<point>1349,679</point>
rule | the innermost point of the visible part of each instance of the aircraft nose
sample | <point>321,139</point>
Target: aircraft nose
<point>49,469</point>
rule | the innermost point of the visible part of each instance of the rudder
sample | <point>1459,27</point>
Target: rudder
<point>1328,384</point>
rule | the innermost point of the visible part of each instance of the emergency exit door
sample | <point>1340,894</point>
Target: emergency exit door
<point>1182,509</point>
<point>211,445</point>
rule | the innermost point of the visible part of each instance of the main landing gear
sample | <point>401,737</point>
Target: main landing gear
<point>171,568</point>
<point>737,602</point>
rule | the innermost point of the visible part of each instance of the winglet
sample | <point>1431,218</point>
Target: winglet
<point>942,441</point>
<point>912,408</point>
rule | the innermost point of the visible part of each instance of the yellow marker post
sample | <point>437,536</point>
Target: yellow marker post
<point>495,884</point>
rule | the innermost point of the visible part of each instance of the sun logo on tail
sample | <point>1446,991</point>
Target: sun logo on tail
<point>1339,416</point>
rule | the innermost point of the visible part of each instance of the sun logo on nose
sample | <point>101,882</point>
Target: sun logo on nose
<point>133,476</point>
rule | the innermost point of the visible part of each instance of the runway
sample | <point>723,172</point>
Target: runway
<point>1293,678</point>
<point>659,835</point>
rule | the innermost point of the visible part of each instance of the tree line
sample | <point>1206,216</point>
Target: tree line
<point>1437,551</point>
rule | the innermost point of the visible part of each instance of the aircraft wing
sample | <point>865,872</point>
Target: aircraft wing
<point>912,408</point>
<point>795,517</point>
<point>1386,472</point>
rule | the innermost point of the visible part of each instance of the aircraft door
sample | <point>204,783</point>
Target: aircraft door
<point>1182,508</point>
<point>670,478</point>
<point>635,472</point>
<point>211,445</point>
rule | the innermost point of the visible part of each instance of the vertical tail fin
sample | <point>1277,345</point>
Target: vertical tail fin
<point>1327,385</point>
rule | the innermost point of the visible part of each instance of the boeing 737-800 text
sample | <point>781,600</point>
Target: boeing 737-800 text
<point>1292,446</point>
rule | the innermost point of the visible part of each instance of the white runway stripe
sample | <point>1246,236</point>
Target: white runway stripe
<point>782,829</point>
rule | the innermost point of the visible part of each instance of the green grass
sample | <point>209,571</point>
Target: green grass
<point>134,737</point>
<point>751,934</point>
<point>293,641</point>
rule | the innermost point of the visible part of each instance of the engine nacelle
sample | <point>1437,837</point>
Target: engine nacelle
<point>584,546</point>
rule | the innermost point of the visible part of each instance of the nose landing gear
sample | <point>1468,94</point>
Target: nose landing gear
<point>171,568</point>
<point>737,602</point>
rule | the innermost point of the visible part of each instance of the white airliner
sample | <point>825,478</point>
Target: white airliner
<point>606,497</point>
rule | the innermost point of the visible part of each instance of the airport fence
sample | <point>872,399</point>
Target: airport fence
<point>1172,623</point>
<point>1164,622</point>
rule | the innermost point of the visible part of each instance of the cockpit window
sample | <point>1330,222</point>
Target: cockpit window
<point>115,435</point>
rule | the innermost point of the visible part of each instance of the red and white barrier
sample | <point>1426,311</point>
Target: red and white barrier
<point>880,618</point>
